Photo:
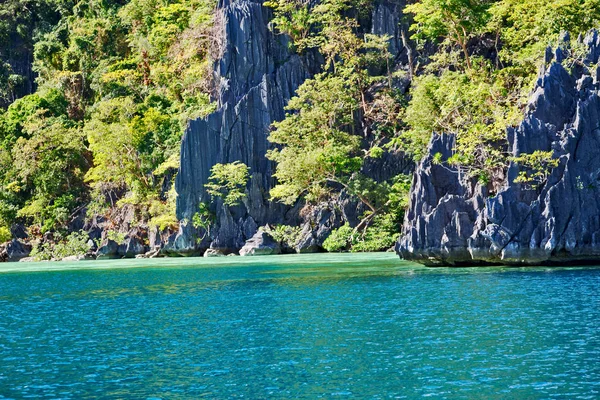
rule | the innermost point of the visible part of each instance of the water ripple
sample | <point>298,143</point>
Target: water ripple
<point>367,328</point>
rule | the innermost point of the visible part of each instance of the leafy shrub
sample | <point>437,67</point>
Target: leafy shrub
<point>73,245</point>
<point>228,181</point>
<point>286,235</point>
<point>115,236</point>
<point>379,236</point>
<point>5,235</point>
<point>538,166</point>
<point>339,239</point>
<point>203,219</point>
<point>163,212</point>
<point>41,252</point>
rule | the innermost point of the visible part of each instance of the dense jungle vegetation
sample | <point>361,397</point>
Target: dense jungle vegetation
<point>116,82</point>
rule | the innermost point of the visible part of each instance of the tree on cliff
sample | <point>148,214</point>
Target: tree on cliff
<point>333,125</point>
<point>457,21</point>
<point>117,81</point>
<point>476,97</point>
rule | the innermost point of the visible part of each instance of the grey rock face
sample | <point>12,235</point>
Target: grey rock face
<point>108,249</point>
<point>261,244</point>
<point>18,231</point>
<point>131,247</point>
<point>386,20</point>
<point>15,250</point>
<point>256,76</point>
<point>319,224</point>
<point>454,222</point>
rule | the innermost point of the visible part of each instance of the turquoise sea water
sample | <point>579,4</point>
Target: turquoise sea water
<point>317,326</point>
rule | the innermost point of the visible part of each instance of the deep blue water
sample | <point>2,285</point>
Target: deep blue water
<point>318,326</point>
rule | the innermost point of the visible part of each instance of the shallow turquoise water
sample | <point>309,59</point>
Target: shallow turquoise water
<point>318,326</point>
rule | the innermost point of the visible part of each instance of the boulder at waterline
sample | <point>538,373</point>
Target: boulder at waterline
<point>261,244</point>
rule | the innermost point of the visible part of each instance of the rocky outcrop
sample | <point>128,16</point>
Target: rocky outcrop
<point>108,249</point>
<point>261,244</point>
<point>452,221</point>
<point>131,246</point>
<point>213,253</point>
<point>255,77</point>
<point>14,250</point>
<point>387,19</point>
<point>321,220</point>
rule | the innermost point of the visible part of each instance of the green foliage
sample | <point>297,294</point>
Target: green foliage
<point>117,82</point>
<point>294,19</point>
<point>163,213</point>
<point>321,152</point>
<point>339,239</point>
<point>116,236</point>
<point>475,106</point>
<point>203,218</point>
<point>75,244</point>
<point>228,181</point>
<point>380,235</point>
<point>317,148</point>
<point>44,158</point>
<point>329,25</point>
<point>52,159</point>
<point>44,104</point>
<point>113,144</point>
<point>286,235</point>
<point>456,20</point>
<point>526,27</point>
<point>479,102</point>
<point>5,234</point>
<point>538,166</point>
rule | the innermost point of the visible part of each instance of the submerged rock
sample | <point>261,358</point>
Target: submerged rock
<point>80,257</point>
<point>261,244</point>
<point>451,221</point>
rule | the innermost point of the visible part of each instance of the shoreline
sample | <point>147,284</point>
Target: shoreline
<point>201,262</point>
<point>308,261</point>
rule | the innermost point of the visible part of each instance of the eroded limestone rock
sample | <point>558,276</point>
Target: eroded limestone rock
<point>261,244</point>
<point>454,222</point>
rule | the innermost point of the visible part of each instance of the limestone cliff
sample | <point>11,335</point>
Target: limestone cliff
<point>453,222</point>
<point>256,76</point>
